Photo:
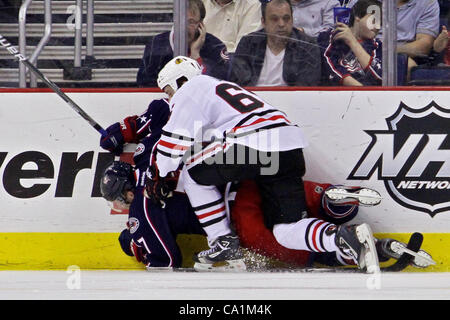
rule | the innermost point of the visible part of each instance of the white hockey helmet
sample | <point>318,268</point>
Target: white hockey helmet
<point>177,68</point>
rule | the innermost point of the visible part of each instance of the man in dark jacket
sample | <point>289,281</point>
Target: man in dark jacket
<point>277,55</point>
<point>209,51</point>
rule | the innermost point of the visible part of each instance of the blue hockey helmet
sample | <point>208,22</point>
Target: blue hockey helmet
<point>117,179</point>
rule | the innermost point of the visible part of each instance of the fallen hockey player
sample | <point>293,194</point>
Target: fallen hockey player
<point>336,204</point>
<point>151,230</point>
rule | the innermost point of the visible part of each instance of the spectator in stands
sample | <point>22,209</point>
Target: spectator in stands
<point>314,16</point>
<point>417,26</point>
<point>230,20</point>
<point>352,54</point>
<point>208,50</point>
<point>278,54</point>
<point>440,47</point>
<point>441,41</point>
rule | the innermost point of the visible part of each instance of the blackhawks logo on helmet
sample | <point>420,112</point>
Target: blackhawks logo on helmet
<point>412,158</point>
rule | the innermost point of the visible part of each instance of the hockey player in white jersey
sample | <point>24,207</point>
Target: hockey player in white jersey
<point>219,132</point>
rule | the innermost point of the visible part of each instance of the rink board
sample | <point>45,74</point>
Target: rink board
<point>50,163</point>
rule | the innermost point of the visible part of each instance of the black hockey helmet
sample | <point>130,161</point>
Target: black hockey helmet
<point>116,180</point>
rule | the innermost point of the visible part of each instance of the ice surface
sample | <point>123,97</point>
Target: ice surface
<point>143,285</point>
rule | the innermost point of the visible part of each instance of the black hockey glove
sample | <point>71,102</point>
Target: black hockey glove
<point>159,189</point>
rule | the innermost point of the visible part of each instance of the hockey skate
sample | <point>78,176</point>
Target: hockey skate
<point>340,195</point>
<point>357,242</point>
<point>224,255</point>
<point>390,248</point>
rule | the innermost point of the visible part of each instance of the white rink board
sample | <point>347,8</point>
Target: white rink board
<point>333,121</point>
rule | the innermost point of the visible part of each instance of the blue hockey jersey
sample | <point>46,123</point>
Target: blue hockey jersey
<point>152,230</point>
<point>339,62</point>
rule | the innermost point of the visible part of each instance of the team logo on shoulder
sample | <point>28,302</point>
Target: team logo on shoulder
<point>133,224</point>
<point>412,158</point>
<point>140,148</point>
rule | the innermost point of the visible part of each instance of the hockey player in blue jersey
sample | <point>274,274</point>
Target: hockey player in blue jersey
<point>152,230</point>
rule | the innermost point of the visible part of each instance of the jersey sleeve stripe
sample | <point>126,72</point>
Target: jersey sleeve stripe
<point>145,126</point>
<point>257,114</point>
<point>172,145</point>
<point>167,154</point>
<point>273,118</point>
<point>203,154</point>
<point>176,136</point>
<point>242,134</point>
<point>330,62</point>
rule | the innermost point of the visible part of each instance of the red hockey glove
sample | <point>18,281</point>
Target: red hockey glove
<point>138,252</point>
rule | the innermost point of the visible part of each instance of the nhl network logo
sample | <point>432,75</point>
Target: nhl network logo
<point>412,157</point>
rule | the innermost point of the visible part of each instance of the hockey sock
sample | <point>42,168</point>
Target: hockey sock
<point>307,234</point>
<point>209,206</point>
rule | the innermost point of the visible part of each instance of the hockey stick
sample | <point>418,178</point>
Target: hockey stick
<point>13,50</point>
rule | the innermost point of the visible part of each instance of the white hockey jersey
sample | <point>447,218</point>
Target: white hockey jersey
<point>206,109</point>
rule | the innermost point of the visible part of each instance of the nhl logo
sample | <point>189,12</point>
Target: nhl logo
<point>412,158</point>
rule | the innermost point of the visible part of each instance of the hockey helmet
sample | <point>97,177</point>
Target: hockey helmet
<point>177,68</point>
<point>116,180</point>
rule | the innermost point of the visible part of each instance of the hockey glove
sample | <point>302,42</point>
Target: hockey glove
<point>159,189</point>
<point>138,252</point>
<point>130,247</point>
<point>118,134</point>
<point>113,141</point>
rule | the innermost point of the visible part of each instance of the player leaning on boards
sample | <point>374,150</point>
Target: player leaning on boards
<point>247,139</point>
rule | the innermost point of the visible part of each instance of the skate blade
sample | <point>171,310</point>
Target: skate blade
<point>365,196</point>
<point>222,266</point>
<point>370,256</point>
<point>421,258</point>
<point>159,269</point>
